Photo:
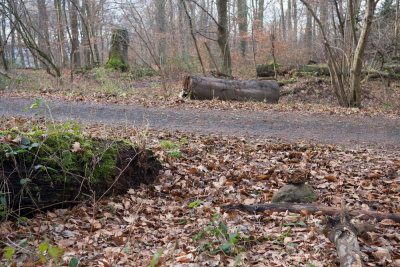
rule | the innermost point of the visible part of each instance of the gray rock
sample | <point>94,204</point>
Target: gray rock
<point>302,193</point>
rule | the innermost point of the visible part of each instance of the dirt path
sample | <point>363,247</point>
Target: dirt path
<point>350,130</point>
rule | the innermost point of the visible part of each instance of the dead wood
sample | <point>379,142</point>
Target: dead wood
<point>312,208</point>
<point>343,234</point>
<point>268,70</point>
<point>212,88</point>
<point>4,74</point>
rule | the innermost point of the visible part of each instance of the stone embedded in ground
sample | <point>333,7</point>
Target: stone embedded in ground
<point>302,193</point>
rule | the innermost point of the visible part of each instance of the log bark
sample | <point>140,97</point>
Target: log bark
<point>267,70</point>
<point>312,208</point>
<point>343,234</point>
<point>212,88</point>
<point>4,74</point>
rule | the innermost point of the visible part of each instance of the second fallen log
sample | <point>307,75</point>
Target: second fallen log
<point>212,88</point>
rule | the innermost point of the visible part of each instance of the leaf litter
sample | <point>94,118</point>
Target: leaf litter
<point>161,220</point>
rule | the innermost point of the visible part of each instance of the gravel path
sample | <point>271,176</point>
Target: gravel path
<point>349,130</point>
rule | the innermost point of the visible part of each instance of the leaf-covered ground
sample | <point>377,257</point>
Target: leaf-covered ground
<point>177,220</point>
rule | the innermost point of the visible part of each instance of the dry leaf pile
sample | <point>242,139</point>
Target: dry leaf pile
<point>204,173</point>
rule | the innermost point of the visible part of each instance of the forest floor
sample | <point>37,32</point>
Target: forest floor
<point>218,153</point>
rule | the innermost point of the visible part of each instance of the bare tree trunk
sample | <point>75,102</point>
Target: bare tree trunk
<point>355,77</point>
<point>84,16</point>
<point>308,34</point>
<point>223,42</point>
<point>194,37</point>
<point>396,30</point>
<point>260,14</point>
<point>273,45</point>
<point>2,52</point>
<point>294,17</point>
<point>283,21</point>
<point>242,17</point>
<point>44,39</point>
<point>76,58</point>
<point>161,29</point>
<point>60,32</point>
<point>337,80</point>
<point>13,58</point>
<point>20,51</point>
<point>289,19</point>
<point>93,33</point>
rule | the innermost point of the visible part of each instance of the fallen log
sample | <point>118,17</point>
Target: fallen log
<point>4,74</point>
<point>267,70</point>
<point>47,169</point>
<point>312,208</point>
<point>212,88</point>
<point>343,234</point>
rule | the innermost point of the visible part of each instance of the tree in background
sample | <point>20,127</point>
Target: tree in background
<point>346,85</point>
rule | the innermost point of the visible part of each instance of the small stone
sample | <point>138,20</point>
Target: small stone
<point>302,193</point>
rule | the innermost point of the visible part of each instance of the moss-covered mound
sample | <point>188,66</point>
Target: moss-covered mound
<point>118,58</point>
<point>115,62</point>
<point>38,170</point>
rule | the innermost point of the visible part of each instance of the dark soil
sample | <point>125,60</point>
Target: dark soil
<point>135,168</point>
<point>351,130</point>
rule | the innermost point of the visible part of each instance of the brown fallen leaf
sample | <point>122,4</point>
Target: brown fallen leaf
<point>330,178</point>
<point>185,258</point>
<point>17,139</point>
<point>374,175</point>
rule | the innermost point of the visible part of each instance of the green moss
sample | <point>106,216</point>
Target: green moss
<point>115,62</point>
<point>95,160</point>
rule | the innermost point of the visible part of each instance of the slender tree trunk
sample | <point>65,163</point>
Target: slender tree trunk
<point>289,20</point>
<point>161,29</point>
<point>13,58</point>
<point>294,17</point>
<point>20,50</point>
<point>194,37</point>
<point>2,52</point>
<point>223,35</point>
<point>242,21</point>
<point>76,58</point>
<point>283,21</point>
<point>396,30</point>
<point>273,45</point>
<point>260,14</point>
<point>60,32</point>
<point>355,78</point>
<point>84,16</point>
<point>93,33</point>
<point>308,34</point>
<point>44,39</point>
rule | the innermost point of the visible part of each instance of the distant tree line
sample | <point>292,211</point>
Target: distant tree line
<point>174,36</point>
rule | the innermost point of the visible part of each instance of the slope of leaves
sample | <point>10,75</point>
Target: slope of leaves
<point>163,218</point>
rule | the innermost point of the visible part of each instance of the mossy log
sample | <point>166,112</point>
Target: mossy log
<point>267,70</point>
<point>222,89</point>
<point>43,169</point>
